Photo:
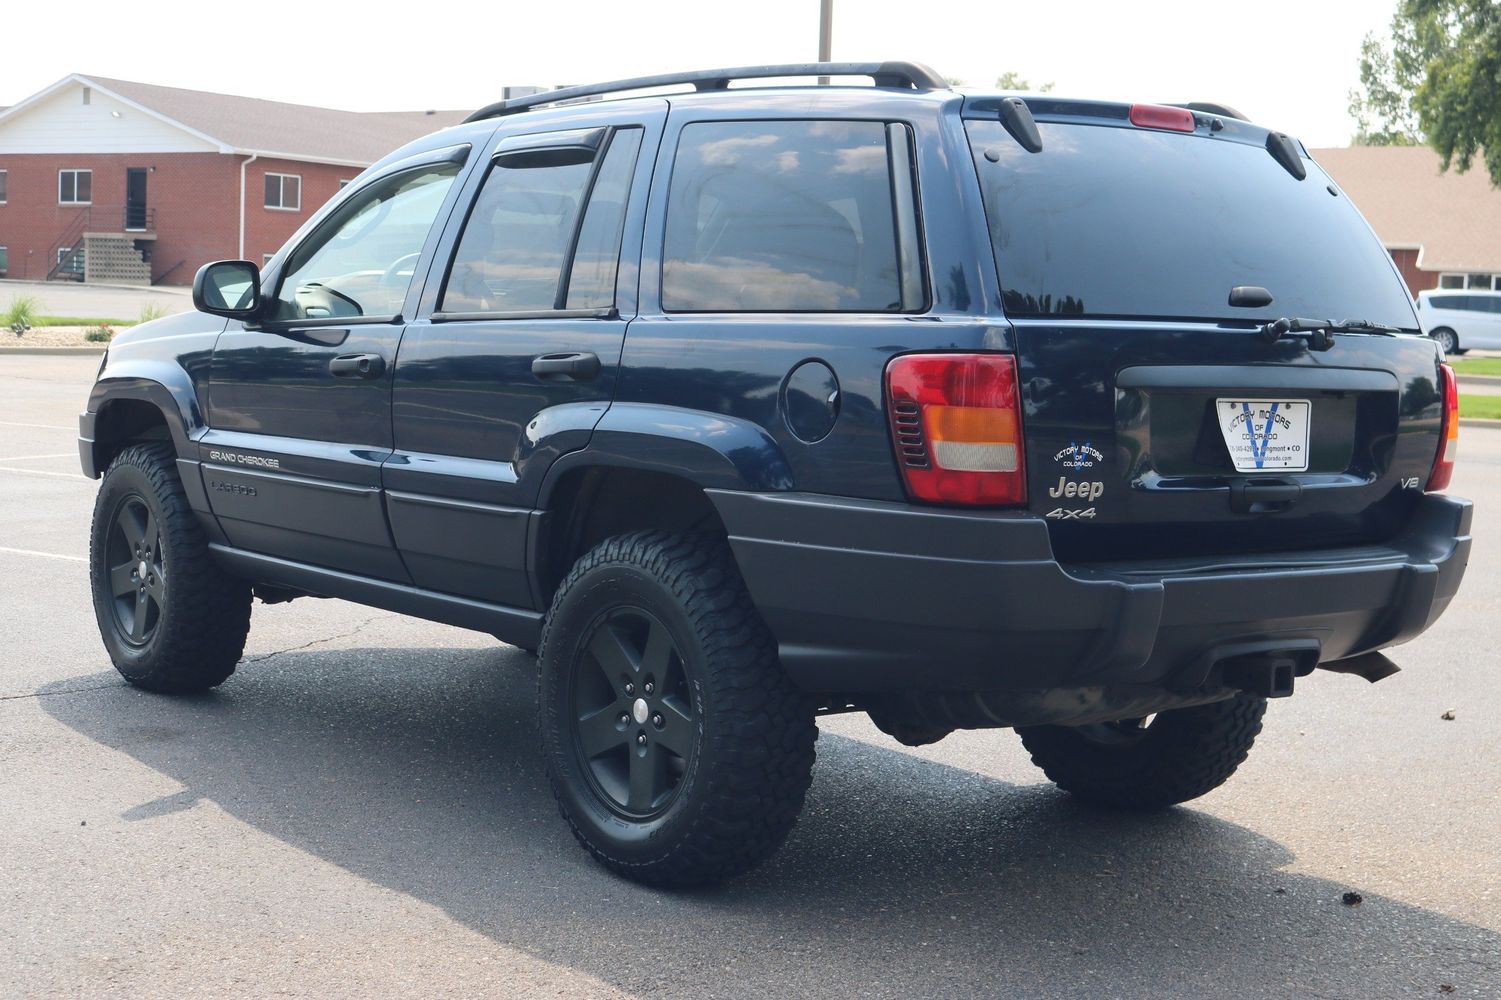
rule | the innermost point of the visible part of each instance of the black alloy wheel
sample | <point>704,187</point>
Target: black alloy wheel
<point>677,748</point>
<point>137,571</point>
<point>171,619</point>
<point>634,722</point>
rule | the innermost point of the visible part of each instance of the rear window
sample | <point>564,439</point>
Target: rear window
<point>1125,222</point>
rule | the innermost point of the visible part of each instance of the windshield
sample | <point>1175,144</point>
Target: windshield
<point>1127,222</point>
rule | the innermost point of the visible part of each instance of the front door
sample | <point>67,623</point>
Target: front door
<point>512,360</point>
<point>135,200</point>
<point>300,407</point>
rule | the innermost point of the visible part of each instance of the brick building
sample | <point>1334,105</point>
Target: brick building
<point>119,182</point>
<point>1442,229</point>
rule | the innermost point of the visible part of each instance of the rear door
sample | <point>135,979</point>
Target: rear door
<point>300,406</point>
<point>512,359</point>
<point>1144,390</point>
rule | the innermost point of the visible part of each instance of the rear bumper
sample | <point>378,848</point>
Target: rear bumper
<point>866,597</point>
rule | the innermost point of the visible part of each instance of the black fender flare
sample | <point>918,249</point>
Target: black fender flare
<point>711,450</point>
<point>163,384</point>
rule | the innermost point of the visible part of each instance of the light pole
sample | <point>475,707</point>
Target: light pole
<point>825,34</point>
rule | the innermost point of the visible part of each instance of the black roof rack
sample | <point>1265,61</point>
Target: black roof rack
<point>887,74</point>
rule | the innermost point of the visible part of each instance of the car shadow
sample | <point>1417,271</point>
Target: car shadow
<point>418,769</point>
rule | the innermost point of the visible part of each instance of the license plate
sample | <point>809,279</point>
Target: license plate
<point>1266,435</point>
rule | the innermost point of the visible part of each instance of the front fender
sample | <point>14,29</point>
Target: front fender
<point>162,384</point>
<point>709,449</point>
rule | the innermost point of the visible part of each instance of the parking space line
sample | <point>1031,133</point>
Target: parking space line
<point>46,555</point>
<point>39,472</point>
<point>27,458</point>
<point>45,427</point>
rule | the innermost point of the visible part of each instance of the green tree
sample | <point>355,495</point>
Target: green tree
<point>1011,80</point>
<point>1439,82</point>
<point>1458,100</point>
<point>1382,105</point>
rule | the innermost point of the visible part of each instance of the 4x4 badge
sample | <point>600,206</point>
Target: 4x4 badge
<point>1071,515</point>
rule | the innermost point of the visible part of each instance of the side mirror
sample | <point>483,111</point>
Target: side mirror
<point>228,288</point>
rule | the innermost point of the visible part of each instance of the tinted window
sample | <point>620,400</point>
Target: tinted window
<point>510,257</point>
<point>782,216</point>
<point>1446,301</point>
<point>1132,222</point>
<point>591,283</point>
<point>361,260</point>
<point>516,242</point>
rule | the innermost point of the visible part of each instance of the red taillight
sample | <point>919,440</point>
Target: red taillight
<point>1161,116</point>
<point>1448,445</point>
<point>956,421</point>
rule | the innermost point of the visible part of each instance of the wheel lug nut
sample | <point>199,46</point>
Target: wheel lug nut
<point>624,719</point>
<point>656,720</point>
<point>630,688</point>
<point>641,739</point>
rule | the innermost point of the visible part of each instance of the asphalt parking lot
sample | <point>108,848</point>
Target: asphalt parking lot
<point>360,811</point>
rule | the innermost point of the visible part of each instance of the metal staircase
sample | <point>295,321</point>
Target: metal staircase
<point>110,245</point>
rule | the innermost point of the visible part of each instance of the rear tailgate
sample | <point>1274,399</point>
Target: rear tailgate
<point>1127,454</point>
<point>1157,417</point>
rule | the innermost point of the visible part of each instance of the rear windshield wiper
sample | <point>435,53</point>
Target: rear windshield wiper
<point>1320,331</point>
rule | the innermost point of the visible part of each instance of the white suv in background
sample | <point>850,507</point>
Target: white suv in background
<point>1461,319</point>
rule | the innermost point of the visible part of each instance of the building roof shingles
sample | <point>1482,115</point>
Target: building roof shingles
<point>1454,217</point>
<point>293,130</point>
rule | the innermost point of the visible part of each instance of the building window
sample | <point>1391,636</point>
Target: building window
<point>2,186</point>
<point>343,184</point>
<point>73,265</point>
<point>266,260</point>
<point>284,192</point>
<point>75,187</point>
<point>1486,282</point>
<point>88,93</point>
<point>4,261</point>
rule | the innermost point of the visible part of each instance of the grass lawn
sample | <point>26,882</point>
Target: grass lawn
<point>1488,407</point>
<point>1476,366</point>
<point>79,321</point>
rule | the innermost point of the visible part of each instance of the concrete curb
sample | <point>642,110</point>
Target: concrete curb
<point>51,351</point>
<point>1479,422</point>
<point>1494,380</point>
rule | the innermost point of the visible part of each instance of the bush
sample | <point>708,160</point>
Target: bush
<point>21,315</point>
<point>151,311</point>
<point>101,334</point>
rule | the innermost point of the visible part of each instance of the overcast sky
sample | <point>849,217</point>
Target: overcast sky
<point>1288,64</point>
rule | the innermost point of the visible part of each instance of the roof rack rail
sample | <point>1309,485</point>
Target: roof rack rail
<point>886,74</point>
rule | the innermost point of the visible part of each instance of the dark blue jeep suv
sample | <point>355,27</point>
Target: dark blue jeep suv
<point>739,405</point>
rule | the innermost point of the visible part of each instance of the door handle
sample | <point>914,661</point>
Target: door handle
<point>1266,496</point>
<point>357,366</point>
<point>579,366</point>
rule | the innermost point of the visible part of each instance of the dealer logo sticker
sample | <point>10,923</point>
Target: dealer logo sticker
<point>1079,456</point>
